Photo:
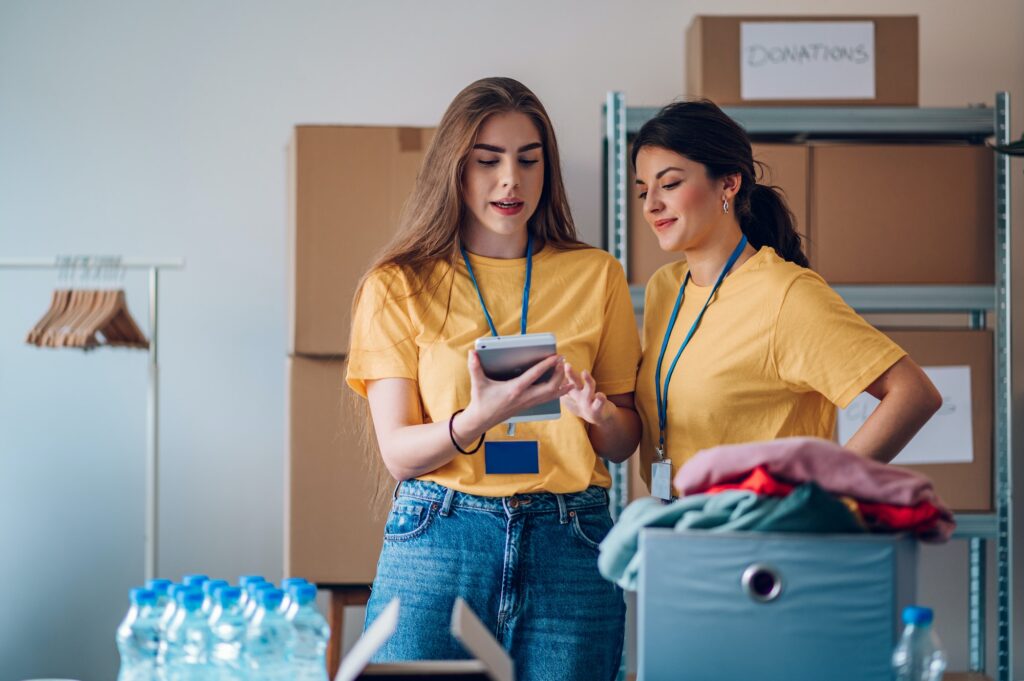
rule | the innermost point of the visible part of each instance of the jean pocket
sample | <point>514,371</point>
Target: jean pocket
<point>408,519</point>
<point>591,526</point>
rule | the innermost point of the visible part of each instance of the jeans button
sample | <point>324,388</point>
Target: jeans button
<point>513,503</point>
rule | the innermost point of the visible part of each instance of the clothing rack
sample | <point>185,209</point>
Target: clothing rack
<point>117,263</point>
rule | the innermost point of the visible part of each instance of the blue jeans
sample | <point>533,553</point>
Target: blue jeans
<point>526,565</point>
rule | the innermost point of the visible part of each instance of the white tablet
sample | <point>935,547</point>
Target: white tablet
<point>506,357</point>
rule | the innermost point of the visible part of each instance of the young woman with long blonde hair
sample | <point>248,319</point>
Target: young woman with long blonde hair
<point>508,521</point>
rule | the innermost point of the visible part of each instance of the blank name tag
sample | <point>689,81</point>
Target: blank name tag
<point>516,456</point>
<point>661,479</point>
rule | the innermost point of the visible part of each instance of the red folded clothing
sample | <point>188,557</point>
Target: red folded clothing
<point>920,519</point>
<point>758,480</point>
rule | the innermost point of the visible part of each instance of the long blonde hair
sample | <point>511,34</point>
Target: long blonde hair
<point>432,220</point>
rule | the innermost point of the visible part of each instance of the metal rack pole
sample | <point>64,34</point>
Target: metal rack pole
<point>977,572</point>
<point>1003,399</point>
<point>152,431</point>
<point>615,144</point>
<point>153,393</point>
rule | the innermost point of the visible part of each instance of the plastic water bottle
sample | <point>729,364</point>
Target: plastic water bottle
<point>227,625</point>
<point>268,638</point>
<point>137,638</point>
<point>164,617</point>
<point>160,587</point>
<point>919,655</point>
<point>209,593</point>
<point>253,604</point>
<point>309,647</point>
<point>286,587</point>
<point>185,648</point>
<point>243,582</point>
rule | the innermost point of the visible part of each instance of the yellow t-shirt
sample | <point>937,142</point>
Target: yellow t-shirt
<point>579,295</point>
<point>775,352</point>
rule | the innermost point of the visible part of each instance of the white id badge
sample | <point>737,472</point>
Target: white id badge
<point>661,479</point>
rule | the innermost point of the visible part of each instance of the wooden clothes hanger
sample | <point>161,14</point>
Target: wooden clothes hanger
<point>66,335</point>
<point>50,334</point>
<point>58,304</point>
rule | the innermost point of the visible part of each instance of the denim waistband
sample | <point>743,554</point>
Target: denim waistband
<point>531,502</point>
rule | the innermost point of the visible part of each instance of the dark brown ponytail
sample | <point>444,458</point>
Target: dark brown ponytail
<point>769,221</point>
<point>703,133</point>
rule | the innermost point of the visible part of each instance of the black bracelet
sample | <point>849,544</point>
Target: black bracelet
<point>451,434</point>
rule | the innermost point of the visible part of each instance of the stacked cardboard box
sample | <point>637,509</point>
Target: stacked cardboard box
<point>347,186</point>
<point>963,487</point>
<point>714,62</point>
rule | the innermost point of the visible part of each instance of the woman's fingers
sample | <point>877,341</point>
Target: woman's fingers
<point>588,387</point>
<point>476,371</point>
<point>571,377</point>
<point>534,373</point>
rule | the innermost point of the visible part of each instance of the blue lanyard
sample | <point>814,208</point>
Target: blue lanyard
<point>526,287</point>
<point>660,392</point>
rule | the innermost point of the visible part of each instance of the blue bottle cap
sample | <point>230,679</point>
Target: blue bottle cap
<point>245,580</point>
<point>190,599</point>
<point>917,615</point>
<point>269,598</point>
<point>159,586</point>
<point>210,586</point>
<point>256,587</point>
<point>285,583</point>
<point>194,580</point>
<point>228,595</point>
<point>303,593</point>
<point>174,589</point>
<point>142,597</point>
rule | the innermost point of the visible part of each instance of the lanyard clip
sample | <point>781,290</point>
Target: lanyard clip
<point>660,451</point>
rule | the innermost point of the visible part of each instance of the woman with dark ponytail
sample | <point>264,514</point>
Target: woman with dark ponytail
<point>742,341</point>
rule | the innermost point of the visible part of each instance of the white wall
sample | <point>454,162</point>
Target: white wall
<point>155,129</point>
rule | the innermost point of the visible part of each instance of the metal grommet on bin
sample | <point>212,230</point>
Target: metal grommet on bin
<point>762,582</point>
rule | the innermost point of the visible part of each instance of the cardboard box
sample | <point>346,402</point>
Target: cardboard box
<point>713,60</point>
<point>902,214</point>
<point>331,534</point>
<point>486,661</point>
<point>347,186</point>
<point>962,486</point>
<point>785,165</point>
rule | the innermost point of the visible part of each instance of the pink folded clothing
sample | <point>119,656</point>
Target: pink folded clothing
<point>808,459</point>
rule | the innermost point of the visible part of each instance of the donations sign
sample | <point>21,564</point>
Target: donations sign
<point>807,60</point>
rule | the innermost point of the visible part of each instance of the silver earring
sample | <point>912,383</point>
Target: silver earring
<point>725,206</point>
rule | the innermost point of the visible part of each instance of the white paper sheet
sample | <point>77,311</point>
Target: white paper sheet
<point>807,60</point>
<point>947,438</point>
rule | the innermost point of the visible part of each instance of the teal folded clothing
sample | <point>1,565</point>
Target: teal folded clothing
<point>808,508</point>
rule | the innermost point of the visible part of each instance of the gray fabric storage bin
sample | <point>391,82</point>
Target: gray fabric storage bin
<point>835,616</point>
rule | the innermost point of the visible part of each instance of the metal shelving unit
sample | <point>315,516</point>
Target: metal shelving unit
<point>974,125</point>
